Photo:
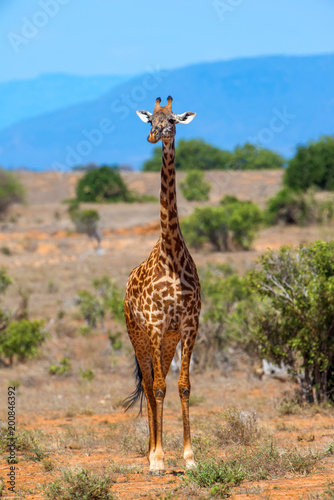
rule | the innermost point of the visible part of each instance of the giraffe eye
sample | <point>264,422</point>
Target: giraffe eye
<point>172,121</point>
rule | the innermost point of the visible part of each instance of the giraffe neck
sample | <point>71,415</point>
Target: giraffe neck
<point>171,237</point>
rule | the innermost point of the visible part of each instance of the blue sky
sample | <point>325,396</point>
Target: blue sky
<point>89,37</point>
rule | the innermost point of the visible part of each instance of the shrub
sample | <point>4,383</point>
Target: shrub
<point>106,297</point>
<point>217,475</point>
<point>193,186</point>
<point>22,338</point>
<point>244,218</point>
<point>312,166</point>
<point>228,308</point>
<point>82,484</point>
<point>87,374</point>
<point>91,308</point>
<point>11,191</point>
<point>241,427</point>
<point>295,207</point>
<point>63,368</point>
<point>5,281</point>
<point>298,326</point>
<point>85,221</point>
<point>233,222</point>
<point>103,184</point>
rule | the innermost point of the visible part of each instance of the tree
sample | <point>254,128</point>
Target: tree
<point>233,222</point>
<point>103,184</point>
<point>194,154</point>
<point>5,280</point>
<point>11,191</point>
<point>194,188</point>
<point>250,157</point>
<point>298,326</point>
<point>313,165</point>
<point>85,221</point>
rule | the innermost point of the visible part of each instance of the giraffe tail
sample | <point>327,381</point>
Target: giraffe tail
<point>138,393</point>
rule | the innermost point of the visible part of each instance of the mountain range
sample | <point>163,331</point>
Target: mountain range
<point>276,102</point>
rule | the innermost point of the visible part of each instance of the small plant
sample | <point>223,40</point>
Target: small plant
<point>87,374</point>
<point>48,465</point>
<point>11,191</point>
<point>85,221</point>
<point>62,368</point>
<point>115,340</point>
<point>85,330</point>
<point>106,297</point>
<point>22,339</point>
<point>82,484</point>
<point>241,427</point>
<point>6,251</point>
<point>219,476</point>
<point>136,441</point>
<point>194,188</point>
<point>52,287</point>
<point>5,281</point>
<point>291,403</point>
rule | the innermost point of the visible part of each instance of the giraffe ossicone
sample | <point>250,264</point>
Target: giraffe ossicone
<point>162,300</point>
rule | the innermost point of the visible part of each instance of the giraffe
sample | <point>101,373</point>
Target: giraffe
<point>162,299</point>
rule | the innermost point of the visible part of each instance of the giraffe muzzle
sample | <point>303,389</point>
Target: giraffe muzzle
<point>154,136</point>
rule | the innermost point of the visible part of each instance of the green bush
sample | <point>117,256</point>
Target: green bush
<point>297,327</point>
<point>11,191</point>
<point>103,184</point>
<point>296,207</point>
<point>91,308</point>
<point>194,188</point>
<point>82,484</point>
<point>234,222</point>
<point>217,475</point>
<point>228,308</point>
<point>5,281</point>
<point>106,298</point>
<point>22,338</point>
<point>312,166</point>
<point>62,368</point>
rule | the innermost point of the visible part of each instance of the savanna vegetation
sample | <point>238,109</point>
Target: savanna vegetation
<point>196,154</point>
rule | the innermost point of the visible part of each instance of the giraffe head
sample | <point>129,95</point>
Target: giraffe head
<point>163,121</point>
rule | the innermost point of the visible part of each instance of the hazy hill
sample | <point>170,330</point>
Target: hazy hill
<point>275,101</point>
<point>21,99</point>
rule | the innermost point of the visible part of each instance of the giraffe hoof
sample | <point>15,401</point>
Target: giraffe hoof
<point>191,464</point>
<point>157,472</point>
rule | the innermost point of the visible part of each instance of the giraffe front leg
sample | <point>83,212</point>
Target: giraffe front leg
<point>184,392</point>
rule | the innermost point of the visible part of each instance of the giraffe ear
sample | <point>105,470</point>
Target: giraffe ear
<point>145,116</point>
<point>185,118</point>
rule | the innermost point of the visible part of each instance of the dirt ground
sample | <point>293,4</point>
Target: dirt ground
<point>65,422</point>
